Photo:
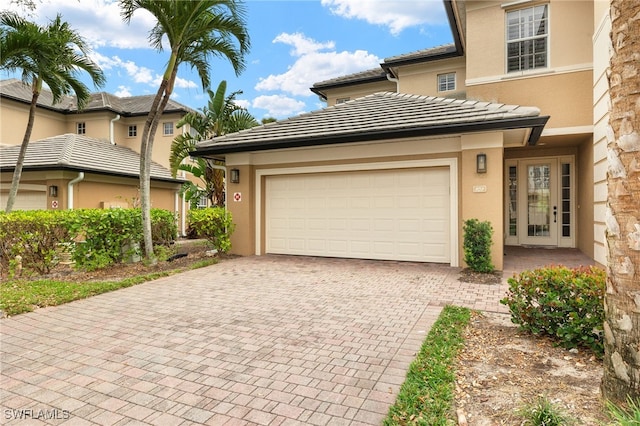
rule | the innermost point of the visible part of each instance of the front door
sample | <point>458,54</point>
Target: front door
<point>539,198</point>
<point>539,226</point>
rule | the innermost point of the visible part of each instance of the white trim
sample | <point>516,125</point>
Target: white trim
<point>506,40</point>
<point>515,3</point>
<point>536,72</point>
<point>452,163</point>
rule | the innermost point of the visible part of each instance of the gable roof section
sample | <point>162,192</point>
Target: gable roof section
<point>380,74</point>
<point>80,153</point>
<point>383,115</point>
<point>100,101</point>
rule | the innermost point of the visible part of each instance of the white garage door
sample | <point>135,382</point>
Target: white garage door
<point>399,214</point>
<point>26,200</point>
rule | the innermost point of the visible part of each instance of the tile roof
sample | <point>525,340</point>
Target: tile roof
<point>81,153</point>
<point>133,105</point>
<point>383,115</point>
<point>431,53</point>
<point>375,74</point>
<point>379,74</point>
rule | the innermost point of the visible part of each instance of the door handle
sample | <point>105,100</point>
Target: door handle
<point>555,214</point>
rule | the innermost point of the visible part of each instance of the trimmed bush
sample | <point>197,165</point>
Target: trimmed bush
<point>95,237</point>
<point>477,245</point>
<point>566,304</point>
<point>35,236</point>
<point>214,224</point>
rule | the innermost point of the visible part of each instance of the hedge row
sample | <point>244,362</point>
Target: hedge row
<point>92,238</point>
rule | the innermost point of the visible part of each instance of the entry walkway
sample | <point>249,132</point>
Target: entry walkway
<point>272,340</point>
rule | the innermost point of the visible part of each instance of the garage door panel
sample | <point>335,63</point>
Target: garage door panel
<point>386,214</point>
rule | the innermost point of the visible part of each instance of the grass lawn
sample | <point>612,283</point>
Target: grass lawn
<point>18,296</point>
<point>426,396</point>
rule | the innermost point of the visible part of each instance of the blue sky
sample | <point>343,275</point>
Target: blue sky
<point>293,45</point>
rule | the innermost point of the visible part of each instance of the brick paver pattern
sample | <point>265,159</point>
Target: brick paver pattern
<point>269,340</point>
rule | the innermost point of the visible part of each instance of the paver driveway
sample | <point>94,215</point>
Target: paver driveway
<point>255,340</point>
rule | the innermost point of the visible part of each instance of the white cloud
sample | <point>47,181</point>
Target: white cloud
<point>99,21</point>
<point>243,103</point>
<point>302,45</point>
<point>278,106</point>
<point>182,83</point>
<point>396,15</point>
<point>123,92</point>
<point>313,65</point>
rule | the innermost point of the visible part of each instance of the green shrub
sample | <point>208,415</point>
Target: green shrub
<point>214,224</point>
<point>163,227</point>
<point>36,236</point>
<point>477,245</point>
<point>95,238</point>
<point>626,414</point>
<point>544,413</point>
<point>564,303</point>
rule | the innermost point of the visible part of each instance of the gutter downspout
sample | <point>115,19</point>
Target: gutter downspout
<point>111,132</point>
<point>394,80</point>
<point>70,190</point>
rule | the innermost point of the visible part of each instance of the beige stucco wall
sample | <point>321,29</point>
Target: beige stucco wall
<point>481,194</point>
<point>422,78</point>
<point>97,191</point>
<point>566,98</point>
<point>13,123</point>
<point>585,200</point>
<point>570,32</point>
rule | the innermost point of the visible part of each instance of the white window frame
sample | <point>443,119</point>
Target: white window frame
<point>447,82</point>
<point>522,39</point>
<point>342,100</point>
<point>167,128</point>
<point>81,128</point>
<point>133,131</point>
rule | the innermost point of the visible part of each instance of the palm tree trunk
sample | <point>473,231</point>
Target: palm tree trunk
<point>621,378</point>
<point>146,152</point>
<point>17,173</point>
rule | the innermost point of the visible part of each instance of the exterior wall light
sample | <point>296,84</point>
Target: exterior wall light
<point>481,163</point>
<point>53,191</point>
<point>235,176</point>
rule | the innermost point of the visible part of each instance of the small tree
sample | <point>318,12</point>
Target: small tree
<point>477,245</point>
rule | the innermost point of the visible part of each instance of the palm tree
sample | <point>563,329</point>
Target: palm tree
<point>53,55</point>
<point>621,379</point>
<point>219,117</point>
<point>196,30</point>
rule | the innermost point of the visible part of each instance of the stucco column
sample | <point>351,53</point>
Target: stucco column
<point>482,193</point>
<point>241,204</point>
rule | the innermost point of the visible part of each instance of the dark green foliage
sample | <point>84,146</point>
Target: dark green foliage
<point>34,235</point>
<point>214,224</point>
<point>564,303</point>
<point>477,245</point>
<point>95,238</point>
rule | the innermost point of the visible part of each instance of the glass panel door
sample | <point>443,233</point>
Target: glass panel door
<point>539,200</point>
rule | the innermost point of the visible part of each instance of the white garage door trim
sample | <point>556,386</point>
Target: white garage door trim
<point>451,163</point>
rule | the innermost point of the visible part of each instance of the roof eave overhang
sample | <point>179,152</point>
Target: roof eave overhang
<point>50,167</point>
<point>456,30</point>
<point>386,65</point>
<point>536,124</point>
<point>320,90</point>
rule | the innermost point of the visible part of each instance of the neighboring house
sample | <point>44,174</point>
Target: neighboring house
<point>102,142</point>
<point>74,171</point>
<point>404,154</point>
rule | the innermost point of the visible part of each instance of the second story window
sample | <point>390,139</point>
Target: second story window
<point>81,128</point>
<point>341,100</point>
<point>527,38</point>
<point>133,131</point>
<point>446,82</point>
<point>167,128</point>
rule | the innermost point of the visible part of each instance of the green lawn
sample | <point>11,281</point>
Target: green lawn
<point>426,396</point>
<point>18,296</point>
